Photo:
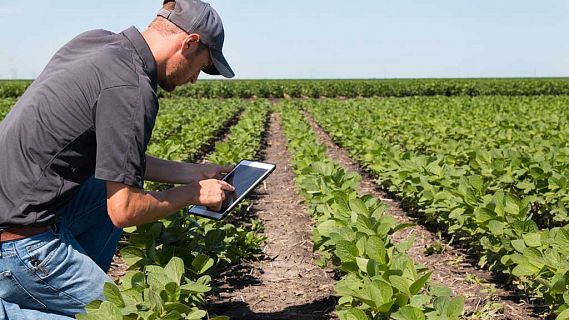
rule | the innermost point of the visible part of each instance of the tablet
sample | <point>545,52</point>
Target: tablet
<point>244,177</point>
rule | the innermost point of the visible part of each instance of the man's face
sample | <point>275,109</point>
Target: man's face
<point>185,66</point>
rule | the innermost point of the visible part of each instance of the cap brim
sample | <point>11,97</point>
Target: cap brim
<point>219,65</point>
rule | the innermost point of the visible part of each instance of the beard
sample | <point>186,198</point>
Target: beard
<point>167,85</point>
<point>175,76</point>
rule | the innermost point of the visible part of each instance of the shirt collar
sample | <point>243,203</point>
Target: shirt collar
<point>143,50</point>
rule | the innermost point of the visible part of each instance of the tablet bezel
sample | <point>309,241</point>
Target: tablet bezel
<point>204,212</point>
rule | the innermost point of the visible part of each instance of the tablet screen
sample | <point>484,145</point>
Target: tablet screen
<point>242,178</point>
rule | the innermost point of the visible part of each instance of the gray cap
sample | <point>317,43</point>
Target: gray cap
<point>195,16</point>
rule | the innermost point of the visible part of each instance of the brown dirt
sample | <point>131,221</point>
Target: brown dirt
<point>452,267</point>
<point>118,268</point>
<point>287,284</point>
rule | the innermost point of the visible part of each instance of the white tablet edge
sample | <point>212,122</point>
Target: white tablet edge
<point>256,164</point>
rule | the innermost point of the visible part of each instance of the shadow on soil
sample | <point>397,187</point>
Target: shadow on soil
<point>319,309</point>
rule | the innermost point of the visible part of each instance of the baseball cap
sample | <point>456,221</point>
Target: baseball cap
<point>195,16</point>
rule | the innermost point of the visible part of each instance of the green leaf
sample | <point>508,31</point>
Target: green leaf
<point>419,284</point>
<point>532,239</point>
<point>375,249</point>
<point>175,269</point>
<point>400,284</point>
<point>519,245</point>
<point>346,251</point>
<point>131,255</point>
<point>358,206</point>
<point>563,315</point>
<point>177,306</point>
<point>441,304</point>
<point>171,315</point>
<point>172,291</point>
<point>455,307</point>
<point>496,227</point>
<point>202,263</point>
<point>196,314</point>
<point>195,288</point>
<point>327,227</point>
<point>382,294</point>
<point>525,269</point>
<point>352,314</point>
<point>113,294</point>
<point>408,313</point>
<point>362,264</point>
<point>108,311</point>
<point>214,237</point>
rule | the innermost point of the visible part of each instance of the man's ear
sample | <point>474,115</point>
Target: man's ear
<point>190,40</point>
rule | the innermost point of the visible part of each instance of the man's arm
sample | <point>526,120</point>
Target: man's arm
<point>174,172</point>
<point>128,206</point>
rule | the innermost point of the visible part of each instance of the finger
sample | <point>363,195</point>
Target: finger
<point>226,186</point>
<point>226,169</point>
<point>215,208</point>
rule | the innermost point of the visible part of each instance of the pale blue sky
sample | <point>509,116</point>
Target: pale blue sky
<point>324,39</point>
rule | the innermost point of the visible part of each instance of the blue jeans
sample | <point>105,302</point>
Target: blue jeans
<point>53,275</point>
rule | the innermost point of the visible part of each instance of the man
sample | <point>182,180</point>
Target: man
<point>72,158</point>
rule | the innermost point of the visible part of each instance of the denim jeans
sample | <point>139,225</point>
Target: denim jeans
<point>53,275</point>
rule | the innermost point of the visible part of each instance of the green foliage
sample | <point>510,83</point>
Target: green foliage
<point>379,280</point>
<point>492,171</point>
<point>155,293</point>
<point>370,88</point>
<point>13,88</point>
<point>349,88</point>
<point>245,137</point>
<point>5,106</point>
<point>187,126</point>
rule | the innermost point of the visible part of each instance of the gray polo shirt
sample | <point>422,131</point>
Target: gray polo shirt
<point>90,112</point>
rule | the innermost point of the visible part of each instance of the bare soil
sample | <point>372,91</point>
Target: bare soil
<point>118,268</point>
<point>451,267</point>
<point>286,284</point>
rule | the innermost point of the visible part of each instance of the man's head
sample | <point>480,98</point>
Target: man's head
<point>187,37</point>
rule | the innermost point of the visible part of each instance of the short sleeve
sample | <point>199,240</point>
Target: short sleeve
<point>123,126</point>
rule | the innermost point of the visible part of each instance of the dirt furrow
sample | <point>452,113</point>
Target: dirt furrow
<point>450,266</point>
<point>286,284</point>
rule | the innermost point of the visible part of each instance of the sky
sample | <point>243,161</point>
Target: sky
<point>268,39</point>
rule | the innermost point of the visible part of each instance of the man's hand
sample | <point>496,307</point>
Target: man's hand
<point>212,193</point>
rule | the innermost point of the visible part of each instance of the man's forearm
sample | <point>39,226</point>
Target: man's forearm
<point>128,206</point>
<point>173,172</point>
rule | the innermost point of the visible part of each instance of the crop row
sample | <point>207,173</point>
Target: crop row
<point>484,169</point>
<point>5,106</point>
<point>506,142</point>
<point>350,88</point>
<point>379,280</point>
<point>172,260</point>
<point>371,88</point>
<point>182,134</point>
<point>13,88</point>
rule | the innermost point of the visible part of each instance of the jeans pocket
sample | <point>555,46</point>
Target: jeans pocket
<point>39,251</point>
<point>12,290</point>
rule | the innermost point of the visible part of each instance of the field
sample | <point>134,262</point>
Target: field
<point>392,199</point>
